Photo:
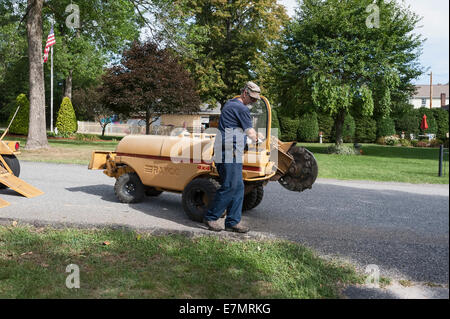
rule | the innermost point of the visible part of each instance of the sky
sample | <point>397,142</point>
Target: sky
<point>434,26</point>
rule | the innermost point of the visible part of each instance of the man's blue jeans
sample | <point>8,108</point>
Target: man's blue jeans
<point>229,196</point>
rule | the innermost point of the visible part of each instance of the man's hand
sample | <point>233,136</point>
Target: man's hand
<point>255,137</point>
<point>251,133</point>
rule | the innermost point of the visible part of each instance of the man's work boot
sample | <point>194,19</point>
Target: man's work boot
<point>238,228</point>
<point>213,225</point>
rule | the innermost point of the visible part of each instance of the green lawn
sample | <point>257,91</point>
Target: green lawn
<point>381,163</point>
<point>125,264</point>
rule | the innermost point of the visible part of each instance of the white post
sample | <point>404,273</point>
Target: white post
<point>51,90</point>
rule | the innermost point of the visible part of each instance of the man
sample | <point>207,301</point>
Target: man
<point>235,123</point>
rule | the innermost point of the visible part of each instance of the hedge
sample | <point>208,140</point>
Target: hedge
<point>289,127</point>
<point>308,130</point>
<point>441,118</point>
<point>20,124</point>
<point>408,123</point>
<point>326,124</point>
<point>275,121</point>
<point>365,130</point>
<point>385,127</point>
<point>66,121</point>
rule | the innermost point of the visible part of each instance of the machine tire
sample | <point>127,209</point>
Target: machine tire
<point>129,188</point>
<point>253,198</point>
<point>151,191</point>
<point>13,163</point>
<point>198,196</point>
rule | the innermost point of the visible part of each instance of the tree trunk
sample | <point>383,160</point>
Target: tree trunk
<point>37,132</point>
<point>147,121</point>
<point>103,128</point>
<point>68,85</point>
<point>340,127</point>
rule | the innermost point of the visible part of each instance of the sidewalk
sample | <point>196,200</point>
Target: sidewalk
<point>421,189</point>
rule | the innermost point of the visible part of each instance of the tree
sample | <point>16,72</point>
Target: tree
<point>105,28</point>
<point>224,43</point>
<point>14,59</point>
<point>88,106</point>
<point>150,81</point>
<point>37,134</point>
<point>331,61</point>
<point>20,123</point>
<point>66,122</point>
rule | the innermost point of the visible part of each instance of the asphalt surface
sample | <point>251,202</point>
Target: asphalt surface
<point>401,228</point>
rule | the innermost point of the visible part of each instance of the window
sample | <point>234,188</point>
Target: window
<point>424,102</point>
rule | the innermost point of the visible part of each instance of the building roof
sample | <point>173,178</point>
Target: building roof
<point>423,91</point>
<point>206,109</point>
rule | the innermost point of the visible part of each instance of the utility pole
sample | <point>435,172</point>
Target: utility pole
<point>51,90</point>
<point>431,90</point>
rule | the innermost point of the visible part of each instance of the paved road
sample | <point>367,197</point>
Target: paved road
<point>399,227</point>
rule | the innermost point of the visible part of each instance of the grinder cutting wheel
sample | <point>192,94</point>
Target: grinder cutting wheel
<point>303,171</point>
<point>297,168</point>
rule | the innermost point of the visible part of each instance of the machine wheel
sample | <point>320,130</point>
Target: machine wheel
<point>253,198</point>
<point>14,165</point>
<point>129,188</point>
<point>197,197</point>
<point>151,191</point>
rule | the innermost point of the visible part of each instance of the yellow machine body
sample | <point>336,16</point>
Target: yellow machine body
<point>169,163</point>
<point>8,178</point>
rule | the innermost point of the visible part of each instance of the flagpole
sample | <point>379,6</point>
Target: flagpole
<point>51,90</point>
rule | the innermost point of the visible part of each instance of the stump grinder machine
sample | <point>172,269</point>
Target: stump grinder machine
<point>10,168</point>
<point>147,165</point>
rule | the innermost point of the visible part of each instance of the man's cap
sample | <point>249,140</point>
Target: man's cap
<point>253,90</point>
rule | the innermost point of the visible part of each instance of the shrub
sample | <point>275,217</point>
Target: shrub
<point>392,140</point>
<point>66,121</point>
<point>20,123</point>
<point>342,150</point>
<point>365,130</point>
<point>385,127</point>
<point>289,128</point>
<point>348,130</point>
<point>86,137</point>
<point>421,144</point>
<point>441,118</point>
<point>381,140</point>
<point>414,143</point>
<point>408,123</point>
<point>326,124</point>
<point>308,129</point>
<point>405,142</point>
<point>436,142</point>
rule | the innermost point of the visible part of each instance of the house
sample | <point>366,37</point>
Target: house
<point>440,96</point>
<point>204,118</point>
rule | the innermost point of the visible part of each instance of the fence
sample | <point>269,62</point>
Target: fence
<point>442,159</point>
<point>122,129</point>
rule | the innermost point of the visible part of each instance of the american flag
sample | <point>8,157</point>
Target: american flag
<point>50,41</point>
